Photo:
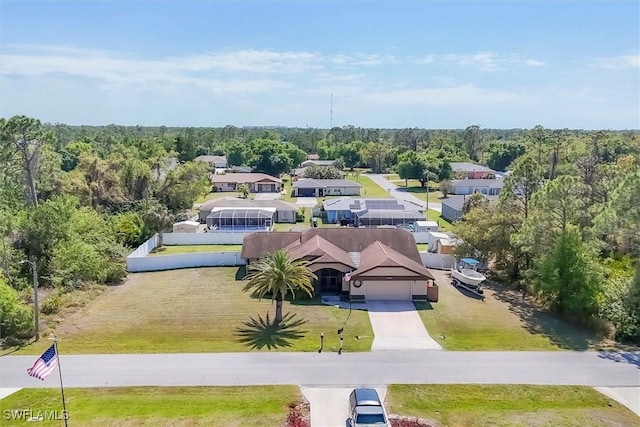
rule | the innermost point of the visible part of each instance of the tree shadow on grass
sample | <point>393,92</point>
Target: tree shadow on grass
<point>537,320</point>
<point>241,272</point>
<point>262,332</point>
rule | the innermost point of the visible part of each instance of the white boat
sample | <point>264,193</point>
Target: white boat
<point>465,274</point>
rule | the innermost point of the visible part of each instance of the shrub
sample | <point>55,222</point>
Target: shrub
<point>16,318</point>
<point>52,304</point>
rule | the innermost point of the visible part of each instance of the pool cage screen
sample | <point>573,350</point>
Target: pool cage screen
<point>372,218</point>
<point>240,219</point>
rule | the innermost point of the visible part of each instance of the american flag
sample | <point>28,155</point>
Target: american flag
<point>347,277</point>
<point>45,364</point>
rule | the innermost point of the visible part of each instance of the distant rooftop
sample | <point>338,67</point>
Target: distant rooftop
<point>468,167</point>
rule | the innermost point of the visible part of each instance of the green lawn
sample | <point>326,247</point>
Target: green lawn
<point>156,406</point>
<point>187,249</point>
<point>508,405</point>
<point>217,195</point>
<point>286,182</point>
<point>500,322</point>
<point>445,225</point>
<point>195,310</point>
<point>369,188</point>
<point>423,247</point>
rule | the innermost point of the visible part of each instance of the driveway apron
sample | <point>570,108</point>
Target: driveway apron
<point>397,326</point>
<point>330,405</point>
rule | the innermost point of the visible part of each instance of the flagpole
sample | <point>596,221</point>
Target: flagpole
<point>64,404</point>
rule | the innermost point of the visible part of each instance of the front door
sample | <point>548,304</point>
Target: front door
<point>330,283</point>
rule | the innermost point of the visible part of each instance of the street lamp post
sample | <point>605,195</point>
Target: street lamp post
<point>36,309</point>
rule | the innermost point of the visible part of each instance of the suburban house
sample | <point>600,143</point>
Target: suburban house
<point>216,162</point>
<point>325,187</point>
<point>453,206</point>
<point>465,170</point>
<point>313,157</point>
<point>301,172</point>
<point>285,212</point>
<point>355,263</point>
<point>241,169</point>
<point>489,187</point>
<point>371,212</point>
<point>424,226</point>
<point>310,162</point>
<point>241,219</point>
<point>257,182</point>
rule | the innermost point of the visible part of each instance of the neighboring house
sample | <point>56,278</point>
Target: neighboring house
<point>465,170</point>
<point>216,162</point>
<point>301,172</point>
<point>424,226</point>
<point>241,169</point>
<point>285,212</point>
<point>241,219</point>
<point>453,206</point>
<point>313,157</point>
<point>355,263</point>
<point>489,187</point>
<point>309,162</point>
<point>371,212</point>
<point>325,187</point>
<point>257,182</point>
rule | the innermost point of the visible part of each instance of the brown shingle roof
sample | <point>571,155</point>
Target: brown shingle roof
<point>395,264</point>
<point>244,178</point>
<point>322,249</point>
<point>257,245</point>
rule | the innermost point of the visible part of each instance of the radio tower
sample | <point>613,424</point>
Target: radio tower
<point>331,113</point>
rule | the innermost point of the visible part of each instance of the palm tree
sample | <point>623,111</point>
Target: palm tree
<point>277,274</point>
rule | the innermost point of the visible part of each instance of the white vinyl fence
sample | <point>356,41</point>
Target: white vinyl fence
<point>437,261</point>
<point>139,260</point>
<point>213,238</point>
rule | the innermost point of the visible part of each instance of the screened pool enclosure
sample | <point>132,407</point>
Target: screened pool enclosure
<point>241,219</point>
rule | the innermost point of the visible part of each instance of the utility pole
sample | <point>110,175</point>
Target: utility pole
<point>36,309</point>
<point>331,114</point>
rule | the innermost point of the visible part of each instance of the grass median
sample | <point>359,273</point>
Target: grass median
<point>155,406</point>
<point>508,405</point>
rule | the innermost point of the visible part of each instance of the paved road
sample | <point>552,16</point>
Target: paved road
<point>402,195</point>
<point>331,369</point>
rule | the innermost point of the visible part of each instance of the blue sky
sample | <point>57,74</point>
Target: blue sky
<point>387,64</point>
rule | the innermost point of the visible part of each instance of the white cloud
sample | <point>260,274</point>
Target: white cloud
<point>484,61</point>
<point>467,95</point>
<point>619,62</point>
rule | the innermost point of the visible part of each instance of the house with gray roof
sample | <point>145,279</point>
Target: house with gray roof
<point>371,212</point>
<point>466,170</point>
<point>284,212</point>
<point>325,187</point>
<point>489,187</point>
<point>453,206</point>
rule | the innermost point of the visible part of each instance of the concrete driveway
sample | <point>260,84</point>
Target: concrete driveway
<point>397,326</point>
<point>307,201</point>
<point>330,405</point>
<point>268,196</point>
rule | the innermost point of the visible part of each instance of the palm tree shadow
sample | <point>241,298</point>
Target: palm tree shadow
<point>259,333</point>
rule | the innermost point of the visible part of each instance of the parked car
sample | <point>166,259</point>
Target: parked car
<point>365,409</point>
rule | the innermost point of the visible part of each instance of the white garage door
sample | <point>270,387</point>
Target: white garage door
<point>387,290</point>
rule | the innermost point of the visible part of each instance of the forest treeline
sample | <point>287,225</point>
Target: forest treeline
<point>74,200</point>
